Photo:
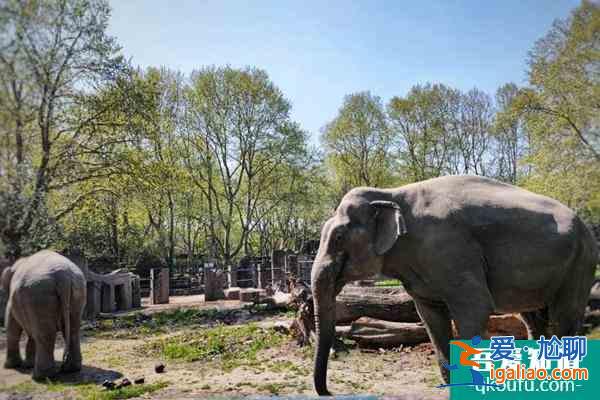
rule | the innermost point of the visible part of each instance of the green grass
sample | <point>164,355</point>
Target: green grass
<point>94,393</point>
<point>85,391</point>
<point>389,282</point>
<point>141,325</point>
<point>287,366</point>
<point>138,324</point>
<point>232,346</point>
<point>273,388</point>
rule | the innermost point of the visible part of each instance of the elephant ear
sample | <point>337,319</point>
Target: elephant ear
<point>389,225</point>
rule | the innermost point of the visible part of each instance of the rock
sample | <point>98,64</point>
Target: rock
<point>159,368</point>
<point>139,381</point>
<point>124,383</point>
<point>108,385</point>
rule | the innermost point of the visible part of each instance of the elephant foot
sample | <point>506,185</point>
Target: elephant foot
<point>43,374</point>
<point>13,363</point>
<point>71,366</point>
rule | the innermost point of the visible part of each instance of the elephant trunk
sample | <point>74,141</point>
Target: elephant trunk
<point>324,292</point>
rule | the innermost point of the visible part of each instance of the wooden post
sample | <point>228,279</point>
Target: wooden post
<point>232,276</point>
<point>159,286</point>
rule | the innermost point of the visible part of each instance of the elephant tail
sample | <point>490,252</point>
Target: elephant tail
<point>65,292</point>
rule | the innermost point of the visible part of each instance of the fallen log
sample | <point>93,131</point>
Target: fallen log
<point>369,332</point>
<point>390,304</point>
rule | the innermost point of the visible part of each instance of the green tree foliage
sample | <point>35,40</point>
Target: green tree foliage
<point>51,53</point>
<point>439,130</point>
<point>512,137</point>
<point>423,123</point>
<point>243,152</point>
<point>153,164</point>
<point>562,111</point>
<point>358,143</point>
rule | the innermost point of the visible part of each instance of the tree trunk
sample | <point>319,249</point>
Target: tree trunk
<point>369,332</point>
<point>390,304</point>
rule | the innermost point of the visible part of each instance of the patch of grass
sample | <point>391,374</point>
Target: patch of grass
<point>389,283</point>
<point>273,388</point>
<point>93,392</point>
<point>231,345</point>
<point>24,388</point>
<point>142,325</point>
<point>283,366</point>
<point>113,361</point>
<point>86,391</point>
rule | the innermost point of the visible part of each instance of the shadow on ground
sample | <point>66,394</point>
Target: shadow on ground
<point>88,374</point>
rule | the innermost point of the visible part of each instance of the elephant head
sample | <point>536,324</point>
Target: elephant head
<point>353,243</point>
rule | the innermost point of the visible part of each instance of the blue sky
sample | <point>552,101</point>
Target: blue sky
<point>318,51</point>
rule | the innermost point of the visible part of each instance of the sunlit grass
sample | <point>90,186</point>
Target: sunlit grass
<point>232,346</point>
<point>84,391</point>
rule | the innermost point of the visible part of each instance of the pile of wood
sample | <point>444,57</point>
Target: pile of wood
<point>384,317</point>
<point>380,317</point>
<point>370,316</point>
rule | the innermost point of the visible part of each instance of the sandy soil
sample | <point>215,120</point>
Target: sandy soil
<point>284,370</point>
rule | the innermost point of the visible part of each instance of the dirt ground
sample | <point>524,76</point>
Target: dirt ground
<point>282,368</point>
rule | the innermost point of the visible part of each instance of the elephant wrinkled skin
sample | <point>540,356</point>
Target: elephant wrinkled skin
<point>463,247</point>
<point>46,294</point>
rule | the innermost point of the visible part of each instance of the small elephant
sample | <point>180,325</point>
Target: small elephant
<point>463,247</point>
<point>46,294</point>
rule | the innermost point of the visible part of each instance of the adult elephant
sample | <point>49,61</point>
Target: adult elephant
<point>463,247</point>
<point>46,294</point>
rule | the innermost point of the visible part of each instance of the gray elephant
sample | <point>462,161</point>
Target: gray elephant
<point>46,294</point>
<point>463,247</point>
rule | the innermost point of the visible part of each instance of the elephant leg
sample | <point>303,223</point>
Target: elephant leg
<point>459,279</point>
<point>471,306</point>
<point>44,356</point>
<point>29,353</point>
<point>72,354</point>
<point>13,336</point>
<point>563,319</point>
<point>437,323</point>
<point>567,308</point>
<point>471,322</point>
<point>536,322</point>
